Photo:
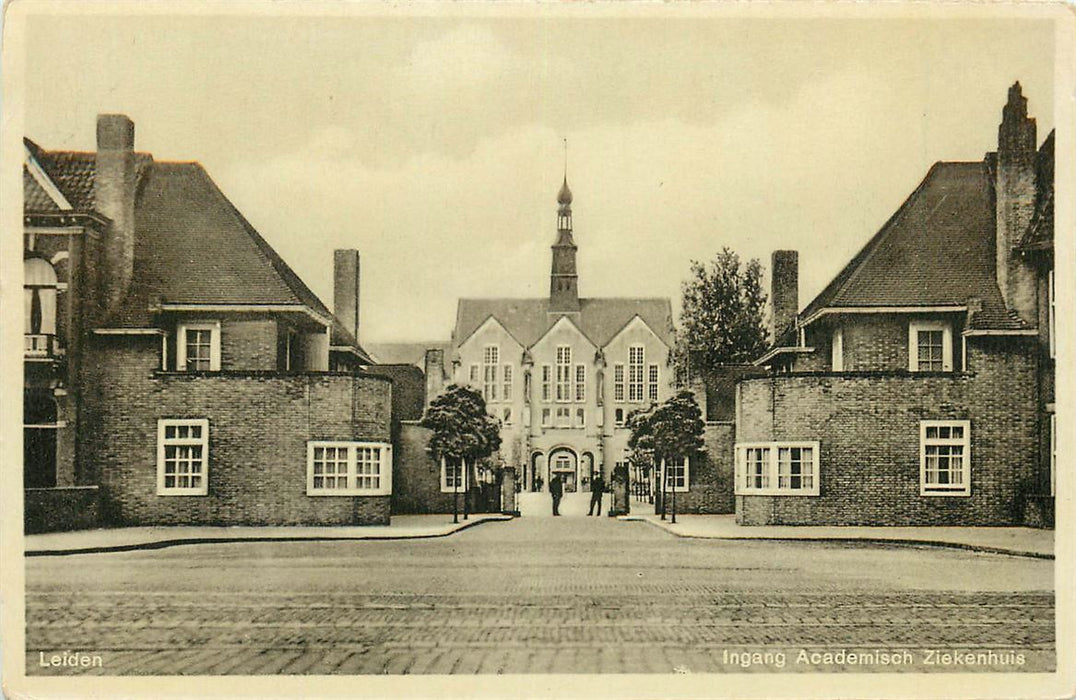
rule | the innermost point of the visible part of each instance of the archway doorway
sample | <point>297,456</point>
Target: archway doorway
<point>564,463</point>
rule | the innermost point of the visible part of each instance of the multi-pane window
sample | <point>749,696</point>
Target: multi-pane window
<point>198,347</point>
<point>777,468</point>
<point>618,382</point>
<point>945,448</point>
<point>547,380</point>
<point>580,383</point>
<point>929,347</point>
<point>652,383</point>
<point>506,382</point>
<point>676,476</point>
<point>491,357</point>
<point>564,373</point>
<point>348,468</point>
<point>795,468</point>
<point>182,457</point>
<point>451,475</point>
<point>635,373</point>
<point>564,417</point>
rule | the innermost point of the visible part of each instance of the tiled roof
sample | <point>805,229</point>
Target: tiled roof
<point>527,320</point>
<point>73,172</point>
<point>342,337</point>
<point>34,197</point>
<point>937,250</point>
<point>1040,233</point>
<point>194,247</point>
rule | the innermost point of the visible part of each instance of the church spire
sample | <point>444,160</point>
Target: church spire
<point>563,280</point>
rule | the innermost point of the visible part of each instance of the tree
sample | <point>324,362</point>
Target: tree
<point>462,433</point>
<point>721,319</point>
<point>676,428</point>
<point>641,439</point>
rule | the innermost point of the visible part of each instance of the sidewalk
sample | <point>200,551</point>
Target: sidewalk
<point>123,539</point>
<point>1018,541</point>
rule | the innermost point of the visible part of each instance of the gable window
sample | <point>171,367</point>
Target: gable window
<point>506,379</point>
<point>838,350</point>
<point>930,347</point>
<point>635,373</point>
<point>618,382</point>
<point>580,383</point>
<point>491,356</point>
<point>564,372</point>
<point>676,475</point>
<point>198,347</point>
<point>652,383</point>
<point>182,457</point>
<point>547,380</point>
<point>945,458</point>
<point>777,469</point>
<point>348,468</point>
<point>451,475</point>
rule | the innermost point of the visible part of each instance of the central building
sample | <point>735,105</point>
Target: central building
<point>562,372</point>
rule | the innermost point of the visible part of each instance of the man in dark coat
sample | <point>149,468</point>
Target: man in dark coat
<point>556,489</point>
<point>597,487</point>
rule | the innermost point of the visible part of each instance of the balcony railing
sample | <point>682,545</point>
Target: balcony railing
<point>42,345</point>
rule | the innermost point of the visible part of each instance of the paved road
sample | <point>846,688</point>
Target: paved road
<point>533,595</point>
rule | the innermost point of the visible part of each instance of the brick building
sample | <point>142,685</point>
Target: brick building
<point>177,371</point>
<point>561,373</point>
<point>917,388</point>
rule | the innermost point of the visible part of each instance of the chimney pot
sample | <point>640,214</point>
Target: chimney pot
<point>115,132</point>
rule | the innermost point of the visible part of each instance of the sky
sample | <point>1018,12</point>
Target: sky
<point>434,145</point>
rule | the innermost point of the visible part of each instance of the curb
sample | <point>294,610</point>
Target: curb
<point>864,540</point>
<point>162,544</point>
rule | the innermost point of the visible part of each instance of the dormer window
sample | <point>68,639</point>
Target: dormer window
<point>930,347</point>
<point>198,347</point>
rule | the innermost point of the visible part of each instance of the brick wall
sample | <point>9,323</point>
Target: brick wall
<point>248,344</point>
<point>60,509</point>
<point>259,426</point>
<point>711,474</point>
<point>416,485</point>
<point>868,428</point>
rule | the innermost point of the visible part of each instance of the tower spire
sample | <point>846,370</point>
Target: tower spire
<point>563,281</point>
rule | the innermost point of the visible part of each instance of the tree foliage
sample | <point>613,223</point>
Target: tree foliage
<point>671,430</point>
<point>461,427</point>
<point>641,438</point>
<point>721,319</point>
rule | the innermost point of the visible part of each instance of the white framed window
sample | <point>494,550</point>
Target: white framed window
<point>474,374</point>
<point>618,382</point>
<point>564,373</point>
<point>1050,313</point>
<point>636,355</point>
<point>491,357</point>
<point>564,417</point>
<point>838,350</point>
<point>945,458</point>
<point>618,417</point>
<point>547,381</point>
<point>777,468</point>
<point>452,475</point>
<point>506,382</point>
<point>345,468</point>
<point>676,475</point>
<point>580,383</point>
<point>652,376</point>
<point>182,457</point>
<point>198,346</point>
<point>547,418</point>
<point>581,417</point>
<point>930,346</point>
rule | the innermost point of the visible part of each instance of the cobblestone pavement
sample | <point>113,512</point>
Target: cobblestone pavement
<point>536,595</point>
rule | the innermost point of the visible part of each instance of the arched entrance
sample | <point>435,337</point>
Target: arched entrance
<point>564,463</point>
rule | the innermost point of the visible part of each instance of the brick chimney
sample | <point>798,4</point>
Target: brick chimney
<point>1015,198</point>
<point>346,289</point>
<point>114,196</point>
<point>435,373</point>
<point>784,290</point>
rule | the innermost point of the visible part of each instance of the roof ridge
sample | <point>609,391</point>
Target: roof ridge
<point>850,271</point>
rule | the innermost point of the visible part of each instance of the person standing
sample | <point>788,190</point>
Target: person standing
<point>556,489</point>
<point>597,487</point>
